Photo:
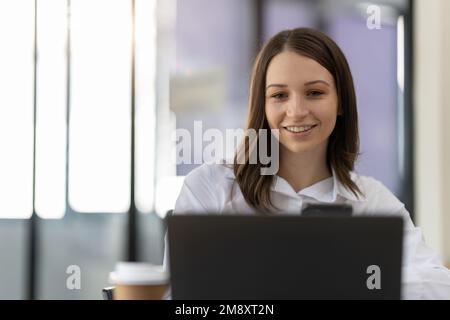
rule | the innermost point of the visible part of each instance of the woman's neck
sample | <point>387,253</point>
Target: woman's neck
<point>302,170</point>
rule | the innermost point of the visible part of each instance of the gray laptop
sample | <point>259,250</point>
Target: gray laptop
<point>285,257</point>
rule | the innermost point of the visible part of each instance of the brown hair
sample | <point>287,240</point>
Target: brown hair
<point>343,143</point>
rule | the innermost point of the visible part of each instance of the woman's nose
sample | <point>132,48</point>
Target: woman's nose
<point>297,108</point>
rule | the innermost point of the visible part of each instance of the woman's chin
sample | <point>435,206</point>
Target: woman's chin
<point>298,147</point>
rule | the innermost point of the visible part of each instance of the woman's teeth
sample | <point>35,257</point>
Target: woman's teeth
<point>299,129</point>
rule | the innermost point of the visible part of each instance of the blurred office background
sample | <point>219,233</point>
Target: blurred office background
<point>91,92</point>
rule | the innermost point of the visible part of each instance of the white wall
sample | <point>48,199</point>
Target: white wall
<point>432,122</point>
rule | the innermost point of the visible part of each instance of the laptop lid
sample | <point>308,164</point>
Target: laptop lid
<point>285,257</point>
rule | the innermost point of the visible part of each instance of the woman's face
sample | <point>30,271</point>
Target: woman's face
<point>301,101</point>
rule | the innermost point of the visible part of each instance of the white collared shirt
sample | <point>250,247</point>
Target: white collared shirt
<point>211,188</point>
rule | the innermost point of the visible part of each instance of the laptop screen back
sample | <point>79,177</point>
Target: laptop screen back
<point>285,257</point>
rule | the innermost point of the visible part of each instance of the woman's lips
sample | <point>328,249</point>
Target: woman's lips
<point>300,134</point>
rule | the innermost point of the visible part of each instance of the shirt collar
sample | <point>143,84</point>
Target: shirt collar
<point>326,190</point>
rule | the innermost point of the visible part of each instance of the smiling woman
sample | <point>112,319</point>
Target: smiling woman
<point>304,81</point>
<point>306,115</point>
<point>302,88</point>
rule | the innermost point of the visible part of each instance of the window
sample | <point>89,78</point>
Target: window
<point>51,110</point>
<point>84,94</point>
<point>16,108</point>
<point>100,106</point>
<point>83,78</point>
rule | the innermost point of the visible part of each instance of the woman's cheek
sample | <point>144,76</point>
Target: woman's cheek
<point>273,117</point>
<point>330,124</point>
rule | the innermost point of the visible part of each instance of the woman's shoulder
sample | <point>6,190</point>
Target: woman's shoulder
<point>214,174</point>
<point>364,181</point>
<point>376,196</point>
<point>206,189</point>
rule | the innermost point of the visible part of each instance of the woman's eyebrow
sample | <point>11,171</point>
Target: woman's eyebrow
<point>306,84</point>
<point>316,81</point>
<point>276,85</point>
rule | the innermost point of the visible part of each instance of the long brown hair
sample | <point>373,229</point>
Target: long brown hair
<point>343,143</point>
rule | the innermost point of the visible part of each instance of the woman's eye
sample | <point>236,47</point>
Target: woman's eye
<point>314,93</point>
<point>279,96</point>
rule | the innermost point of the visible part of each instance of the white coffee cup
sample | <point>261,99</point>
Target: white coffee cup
<point>139,281</point>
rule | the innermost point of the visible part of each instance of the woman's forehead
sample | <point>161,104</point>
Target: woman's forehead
<point>290,67</point>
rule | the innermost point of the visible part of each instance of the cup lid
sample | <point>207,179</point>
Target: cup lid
<point>138,273</point>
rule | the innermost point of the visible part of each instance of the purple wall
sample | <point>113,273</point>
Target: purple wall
<point>372,55</point>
